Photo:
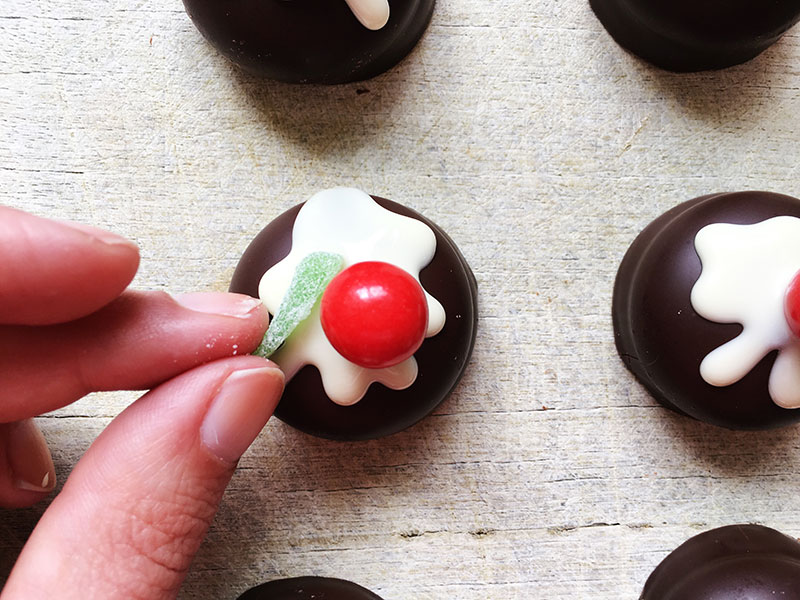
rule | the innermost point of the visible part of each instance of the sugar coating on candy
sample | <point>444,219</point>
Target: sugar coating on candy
<point>312,275</point>
<point>746,271</point>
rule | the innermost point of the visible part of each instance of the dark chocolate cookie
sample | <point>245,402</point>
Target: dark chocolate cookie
<point>309,588</point>
<point>737,562</point>
<point>441,359</point>
<point>660,335</point>
<point>696,35</point>
<point>309,41</point>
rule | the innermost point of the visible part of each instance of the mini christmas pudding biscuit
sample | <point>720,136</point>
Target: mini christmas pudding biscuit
<point>312,41</point>
<point>374,313</point>
<point>737,562</point>
<point>706,309</point>
<point>309,588</point>
<point>696,35</point>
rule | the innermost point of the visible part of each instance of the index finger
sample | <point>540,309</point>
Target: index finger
<point>53,272</point>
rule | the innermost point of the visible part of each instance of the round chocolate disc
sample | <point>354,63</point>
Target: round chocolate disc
<point>441,359</point>
<point>309,588</point>
<point>309,41</point>
<point>661,338</point>
<point>736,562</point>
<point>695,35</point>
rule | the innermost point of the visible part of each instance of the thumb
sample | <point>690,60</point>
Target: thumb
<point>136,507</point>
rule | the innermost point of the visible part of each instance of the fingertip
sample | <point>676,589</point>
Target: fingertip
<point>241,407</point>
<point>136,342</point>
<point>54,271</point>
<point>28,475</point>
<point>162,465</point>
<point>252,317</point>
<point>101,235</point>
<point>224,304</point>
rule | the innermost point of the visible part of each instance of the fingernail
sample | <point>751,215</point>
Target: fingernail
<point>102,235</point>
<point>29,458</point>
<point>240,410</point>
<point>219,303</point>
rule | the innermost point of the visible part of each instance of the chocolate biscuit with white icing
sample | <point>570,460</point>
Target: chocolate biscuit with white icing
<point>327,394</point>
<point>312,41</point>
<point>702,309</point>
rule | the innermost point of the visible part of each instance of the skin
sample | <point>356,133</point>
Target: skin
<point>136,507</point>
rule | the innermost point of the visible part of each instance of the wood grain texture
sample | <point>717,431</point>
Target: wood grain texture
<point>542,148</point>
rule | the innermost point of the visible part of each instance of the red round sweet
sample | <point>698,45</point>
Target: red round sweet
<point>375,314</point>
<point>792,305</point>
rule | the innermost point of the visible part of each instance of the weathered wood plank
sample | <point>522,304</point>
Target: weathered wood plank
<point>542,148</point>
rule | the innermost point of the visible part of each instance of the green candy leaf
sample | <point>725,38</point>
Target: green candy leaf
<point>312,276</point>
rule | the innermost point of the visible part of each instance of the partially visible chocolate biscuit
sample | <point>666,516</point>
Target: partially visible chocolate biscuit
<point>737,562</point>
<point>309,588</point>
<point>696,35</point>
<point>309,41</point>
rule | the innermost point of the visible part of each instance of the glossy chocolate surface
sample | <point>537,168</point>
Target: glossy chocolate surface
<point>441,358</point>
<point>737,562</point>
<point>309,588</point>
<point>660,337</point>
<point>308,41</point>
<point>695,35</point>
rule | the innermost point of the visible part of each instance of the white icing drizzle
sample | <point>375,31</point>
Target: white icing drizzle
<point>373,14</point>
<point>746,272</point>
<point>350,223</point>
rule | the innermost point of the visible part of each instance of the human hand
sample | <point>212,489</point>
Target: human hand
<point>137,505</point>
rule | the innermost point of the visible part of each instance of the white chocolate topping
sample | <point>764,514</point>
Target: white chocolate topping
<point>350,223</point>
<point>746,272</point>
<point>373,14</point>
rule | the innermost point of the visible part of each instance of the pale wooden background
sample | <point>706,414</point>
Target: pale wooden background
<point>542,148</point>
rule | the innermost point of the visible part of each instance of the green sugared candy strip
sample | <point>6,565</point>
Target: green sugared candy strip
<point>312,276</point>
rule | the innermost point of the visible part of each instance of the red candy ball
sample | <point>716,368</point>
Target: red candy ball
<point>792,305</point>
<point>374,314</point>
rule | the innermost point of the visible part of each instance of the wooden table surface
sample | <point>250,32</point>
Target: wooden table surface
<point>542,148</point>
